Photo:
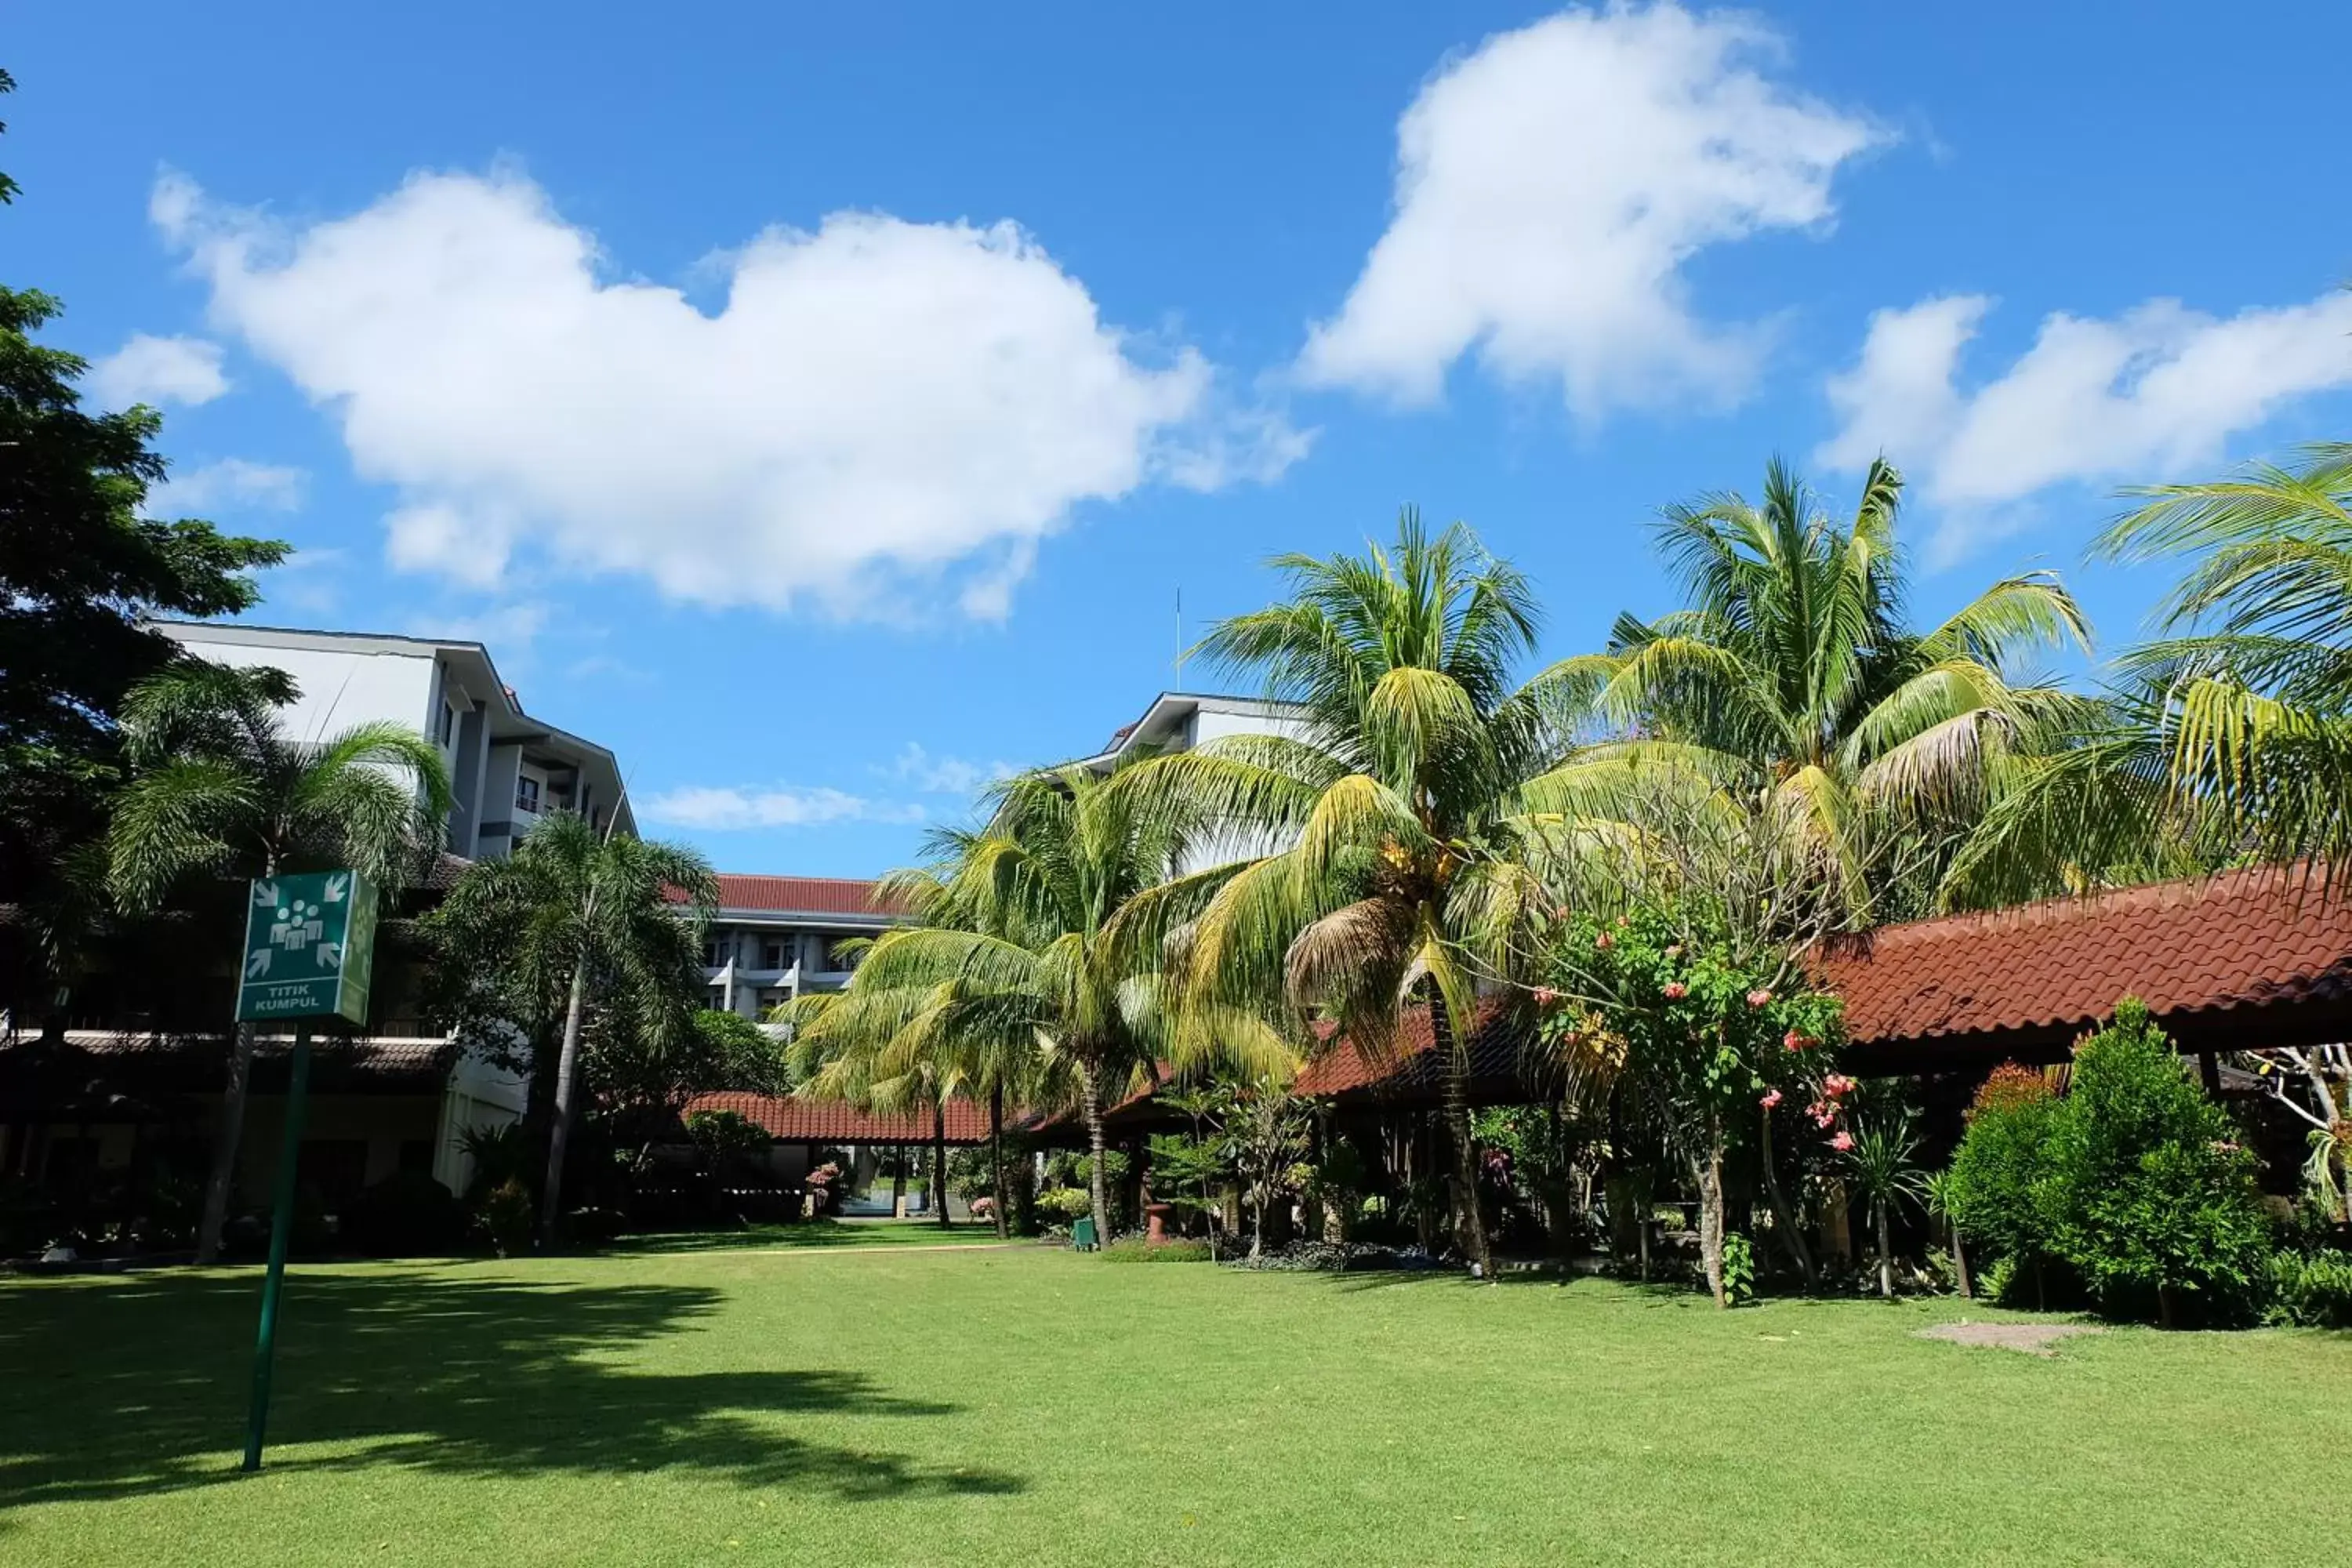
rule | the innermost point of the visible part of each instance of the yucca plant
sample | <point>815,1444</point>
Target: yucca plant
<point>1881,1162</point>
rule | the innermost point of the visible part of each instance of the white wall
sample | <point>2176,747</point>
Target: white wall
<point>341,690</point>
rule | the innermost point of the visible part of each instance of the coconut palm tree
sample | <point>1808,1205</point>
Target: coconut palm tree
<point>1793,671</point>
<point>218,788</point>
<point>1402,850</point>
<point>600,919</point>
<point>2253,692</point>
<point>1012,973</point>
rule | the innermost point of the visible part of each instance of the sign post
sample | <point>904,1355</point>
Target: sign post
<point>309,944</point>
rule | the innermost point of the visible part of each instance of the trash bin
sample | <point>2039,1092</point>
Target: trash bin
<point>1082,1233</point>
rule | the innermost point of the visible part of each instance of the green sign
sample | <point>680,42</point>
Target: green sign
<point>309,942</point>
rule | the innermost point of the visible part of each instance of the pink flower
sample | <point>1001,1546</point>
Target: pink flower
<point>1842,1142</point>
<point>1604,942</point>
<point>1758,998</point>
<point>1677,990</point>
<point>1546,995</point>
<point>1771,1099</point>
<point>1822,1112</point>
<point>1560,911</point>
<point>1622,922</point>
<point>1838,1084</point>
<point>1674,950</point>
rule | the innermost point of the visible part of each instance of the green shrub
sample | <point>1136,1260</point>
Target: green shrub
<point>407,1215</point>
<point>2149,1193</point>
<point>1064,1203</point>
<point>2000,1173</point>
<point>1738,1269</point>
<point>2311,1291</point>
<point>1135,1249</point>
<point>505,1215</point>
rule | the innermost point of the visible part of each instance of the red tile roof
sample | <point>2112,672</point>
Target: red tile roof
<point>2263,950</point>
<point>789,1119</point>
<point>800,895</point>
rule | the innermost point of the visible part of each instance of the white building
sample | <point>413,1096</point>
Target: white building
<point>775,938</point>
<point>1181,720</point>
<point>505,767</point>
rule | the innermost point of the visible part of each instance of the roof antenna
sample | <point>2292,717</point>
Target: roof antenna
<point>1180,637</point>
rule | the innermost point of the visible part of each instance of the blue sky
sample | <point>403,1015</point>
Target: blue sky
<point>825,409</point>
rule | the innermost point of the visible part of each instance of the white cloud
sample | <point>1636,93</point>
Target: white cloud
<point>231,484</point>
<point>1551,185</point>
<point>945,776</point>
<point>881,411</point>
<point>506,630</point>
<point>159,370</point>
<point>2150,395</point>
<point>716,809</point>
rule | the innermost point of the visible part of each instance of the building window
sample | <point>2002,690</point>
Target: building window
<point>527,793</point>
<point>717,951</point>
<point>772,954</point>
<point>446,729</point>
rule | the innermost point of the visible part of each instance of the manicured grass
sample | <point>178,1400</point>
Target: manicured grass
<point>818,1232</point>
<point>1031,1406</point>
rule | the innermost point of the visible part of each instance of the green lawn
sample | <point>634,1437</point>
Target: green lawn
<point>1029,1407</point>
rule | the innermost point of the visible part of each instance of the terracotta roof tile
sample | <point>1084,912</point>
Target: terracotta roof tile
<point>800,895</point>
<point>792,1120</point>
<point>2265,948</point>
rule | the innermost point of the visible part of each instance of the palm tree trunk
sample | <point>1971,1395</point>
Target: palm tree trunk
<point>1711,1217</point>
<point>1886,1252</point>
<point>996,1160</point>
<point>222,1178</point>
<point>1454,1056</point>
<point>558,1132</point>
<point>1091,1085</point>
<point>1784,1219</point>
<point>939,1161</point>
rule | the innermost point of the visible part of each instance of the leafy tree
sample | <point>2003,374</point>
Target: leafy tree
<point>1793,666</point>
<point>1660,1002</point>
<point>218,789</point>
<point>578,924</point>
<point>2150,1189</point>
<point>1404,820</point>
<point>82,572</point>
<point>1268,1127</point>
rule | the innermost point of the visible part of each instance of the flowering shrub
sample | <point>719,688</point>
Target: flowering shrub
<point>1717,1038</point>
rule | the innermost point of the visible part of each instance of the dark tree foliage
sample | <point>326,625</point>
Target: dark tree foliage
<point>81,572</point>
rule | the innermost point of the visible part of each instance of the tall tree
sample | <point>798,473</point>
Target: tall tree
<point>1792,668</point>
<point>609,924</point>
<point>82,569</point>
<point>1406,843</point>
<point>219,789</point>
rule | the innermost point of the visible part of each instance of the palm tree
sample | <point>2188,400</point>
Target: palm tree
<point>1016,975</point>
<point>592,916</point>
<point>1405,856</point>
<point>1881,1160</point>
<point>218,788</point>
<point>892,1070</point>
<point>2257,685</point>
<point>1792,672</point>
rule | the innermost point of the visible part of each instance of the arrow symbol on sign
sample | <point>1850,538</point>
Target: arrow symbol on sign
<point>336,885</point>
<point>330,955</point>
<point>264,893</point>
<point>256,963</point>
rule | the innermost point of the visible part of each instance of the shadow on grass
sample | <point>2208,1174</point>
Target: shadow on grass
<point>806,1234</point>
<point>108,1388</point>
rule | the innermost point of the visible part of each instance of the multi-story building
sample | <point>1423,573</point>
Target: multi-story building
<point>775,938</point>
<point>505,767</point>
<point>1181,720</point>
